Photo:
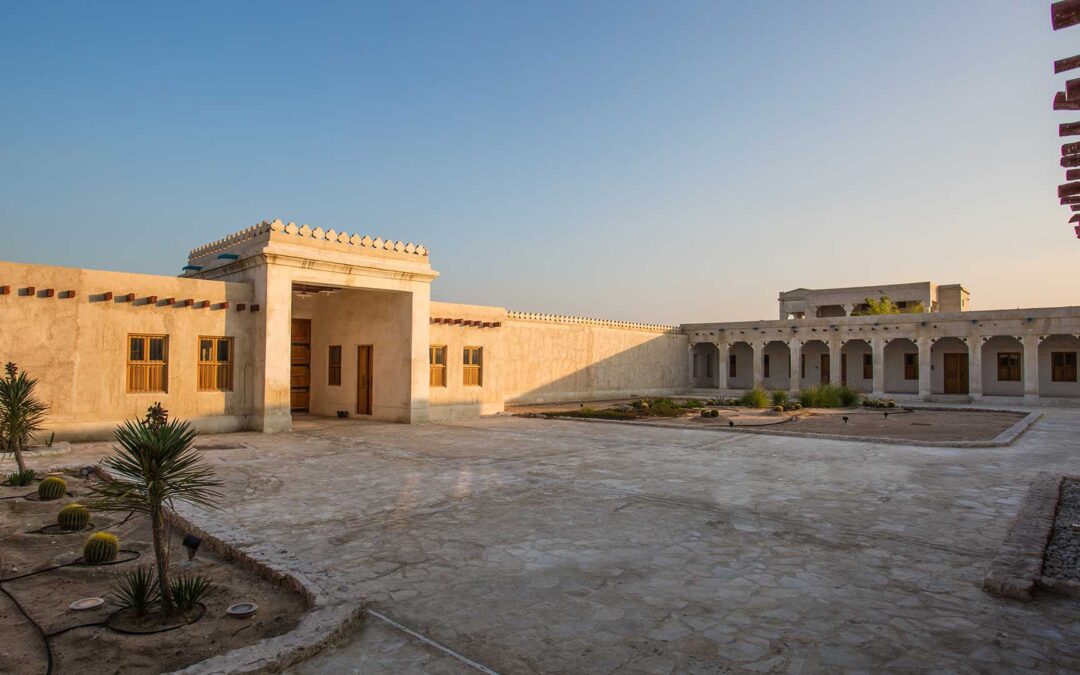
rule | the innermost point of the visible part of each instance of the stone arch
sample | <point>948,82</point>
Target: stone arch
<point>949,367</point>
<point>741,356</point>
<point>1059,358</point>
<point>810,363</point>
<point>777,357</point>
<point>998,354</point>
<point>897,370</point>
<point>857,353</point>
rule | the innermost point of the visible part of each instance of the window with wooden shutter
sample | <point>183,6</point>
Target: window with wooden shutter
<point>148,363</point>
<point>1063,366</point>
<point>333,366</point>
<point>911,366</point>
<point>437,359</point>
<point>1008,367</point>
<point>868,366</point>
<point>215,364</point>
<point>473,366</point>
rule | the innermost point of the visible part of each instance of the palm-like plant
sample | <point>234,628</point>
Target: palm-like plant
<point>156,466</point>
<point>21,412</point>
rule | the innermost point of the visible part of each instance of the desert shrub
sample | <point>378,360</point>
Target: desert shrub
<point>829,396</point>
<point>101,547</point>
<point>21,478</point>
<point>848,396</point>
<point>780,397</point>
<point>73,517</point>
<point>53,487</point>
<point>136,589</point>
<point>755,398</point>
<point>188,590</point>
<point>693,403</point>
<point>590,413</point>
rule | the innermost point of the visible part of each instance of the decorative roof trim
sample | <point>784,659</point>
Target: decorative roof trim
<point>343,239</point>
<point>558,318</point>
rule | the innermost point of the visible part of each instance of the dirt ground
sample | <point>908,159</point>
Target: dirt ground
<point>914,425</point>
<point>97,649</point>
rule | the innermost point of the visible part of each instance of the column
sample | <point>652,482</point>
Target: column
<point>759,365</point>
<point>974,345</point>
<point>690,366</point>
<point>272,371</point>
<point>796,358</point>
<point>848,309</point>
<point>877,349</point>
<point>835,354</point>
<point>722,366</point>
<point>924,366</point>
<point>1031,368</point>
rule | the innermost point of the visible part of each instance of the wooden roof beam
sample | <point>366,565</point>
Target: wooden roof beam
<point>1069,129</point>
<point>1063,102</point>
<point>1062,65</point>
<point>1065,13</point>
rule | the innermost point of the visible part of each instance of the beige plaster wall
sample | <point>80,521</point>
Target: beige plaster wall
<point>77,347</point>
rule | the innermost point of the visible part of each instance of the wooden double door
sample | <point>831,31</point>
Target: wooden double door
<point>956,373</point>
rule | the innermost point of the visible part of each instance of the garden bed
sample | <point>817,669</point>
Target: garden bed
<point>46,596</point>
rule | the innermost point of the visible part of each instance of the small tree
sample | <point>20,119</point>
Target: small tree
<point>155,467</point>
<point>21,412</point>
<point>885,305</point>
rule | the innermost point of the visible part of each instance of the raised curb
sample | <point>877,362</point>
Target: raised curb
<point>1017,568</point>
<point>1003,439</point>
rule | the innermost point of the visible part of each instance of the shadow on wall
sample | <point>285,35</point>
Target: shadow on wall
<point>602,363</point>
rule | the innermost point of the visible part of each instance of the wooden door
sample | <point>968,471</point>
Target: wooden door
<point>364,379</point>
<point>301,365</point>
<point>956,373</point>
<point>824,368</point>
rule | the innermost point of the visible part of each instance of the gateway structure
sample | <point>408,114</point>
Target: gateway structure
<point>279,319</point>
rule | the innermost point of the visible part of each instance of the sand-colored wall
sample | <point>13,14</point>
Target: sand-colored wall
<point>77,346</point>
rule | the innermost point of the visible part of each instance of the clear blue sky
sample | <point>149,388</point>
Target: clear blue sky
<point>647,161</point>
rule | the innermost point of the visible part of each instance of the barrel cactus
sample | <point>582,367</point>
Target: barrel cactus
<point>714,413</point>
<point>101,547</point>
<point>52,487</point>
<point>73,517</point>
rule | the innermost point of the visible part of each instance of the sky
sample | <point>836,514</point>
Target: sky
<point>647,161</point>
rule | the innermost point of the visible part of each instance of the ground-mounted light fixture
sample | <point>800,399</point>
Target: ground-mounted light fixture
<point>192,544</point>
<point>87,471</point>
<point>845,418</point>
<point>731,424</point>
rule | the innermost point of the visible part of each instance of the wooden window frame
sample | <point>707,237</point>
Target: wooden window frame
<point>867,366</point>
<point>1065,371</point>
<point>333,369</point>
<point>1006,371</point>
<point>215,375</point>
<point>911,365</point>
<point>141,373</point>
<point>437,377</point>
<point>472,366</point>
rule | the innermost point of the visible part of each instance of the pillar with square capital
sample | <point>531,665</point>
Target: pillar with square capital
<point>796,360</point>
<point>877,350</point>
<point>722,366</point>
<point>974,344</point>
<point>836,353</point>
<point>924,366</point>
<point>759,365</point>
<point>1031,367</point>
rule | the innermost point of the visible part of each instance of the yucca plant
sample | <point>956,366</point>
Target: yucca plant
<point>21,478</point>
<point>21,412</point>
<point>136,589</point>
<point>155,467</point>
<point>188,590</point>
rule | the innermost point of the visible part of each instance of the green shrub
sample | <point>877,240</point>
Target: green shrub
<point>693,403</point>
<point>848,396</point>
<point>53,487</point>
<point>73,517</point>
<point>21,478</point>
<point>589,413</point>
<point>136,589</point>
<point>101,547</point>
<point>188,590</point>
<point>829,396</point>
<point>755,398</point>
<point>780,397</point>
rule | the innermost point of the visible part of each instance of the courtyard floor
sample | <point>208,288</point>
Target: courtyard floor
<point>548,546</point>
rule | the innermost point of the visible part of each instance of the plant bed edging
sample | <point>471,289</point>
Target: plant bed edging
<point>1017,568</point>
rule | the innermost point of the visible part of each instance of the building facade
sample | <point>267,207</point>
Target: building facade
<point>277,320</point>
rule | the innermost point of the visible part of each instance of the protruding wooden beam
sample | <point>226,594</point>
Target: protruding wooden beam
<point>68,294</point>
<point>5,290</point>
<point>1062,102</point>
<point>1075,219</point>
<point>169,301</point>
<point>240,306</point>
<point>254,308</point>
<point>1072,89</point>
<point>29,291</point>
<point>1065,13</point>
<point>106,296</point>
<point>1070,160</point>
<point>1070,149</point>
<point>1062,65</point>
<point>130,297</point>
<point>1069,189</point>
<point>1072,174</point>
<point>1069,129</point>
<point>1071,200</point>
<point>1075,207</point>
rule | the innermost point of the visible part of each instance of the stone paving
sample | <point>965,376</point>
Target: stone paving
<point>559,547</point>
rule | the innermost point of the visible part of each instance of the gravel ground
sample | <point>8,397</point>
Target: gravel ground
<point>1062,559</point>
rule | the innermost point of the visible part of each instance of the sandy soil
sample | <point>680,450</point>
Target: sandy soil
<point>97,649</point>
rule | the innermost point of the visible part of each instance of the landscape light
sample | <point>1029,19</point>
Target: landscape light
<point>731,424</point>
<point>844,418</point>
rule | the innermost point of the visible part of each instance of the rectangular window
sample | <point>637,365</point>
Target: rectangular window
<point>694,365</point>
<point>731,366</point>
<point>215,364</point>
<point>437,359</point>
<point>765,366</point>
<point>1063,366</point>
<point>1008,367</point>
<point>868,366</point>
<point>474,367</point>
<point>148,363</point>
<point>708,365</point>
<point>333,366</point>
<point>802,365</point>
<point>911,366</point>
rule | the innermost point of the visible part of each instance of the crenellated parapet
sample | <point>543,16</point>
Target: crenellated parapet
<point>558,318</point>
<point>304,233</point>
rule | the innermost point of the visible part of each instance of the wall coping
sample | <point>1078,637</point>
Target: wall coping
<point>607,323</point>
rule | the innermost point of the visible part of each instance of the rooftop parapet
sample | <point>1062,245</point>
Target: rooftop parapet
<point>558,318</point>
<point>343,241</point>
